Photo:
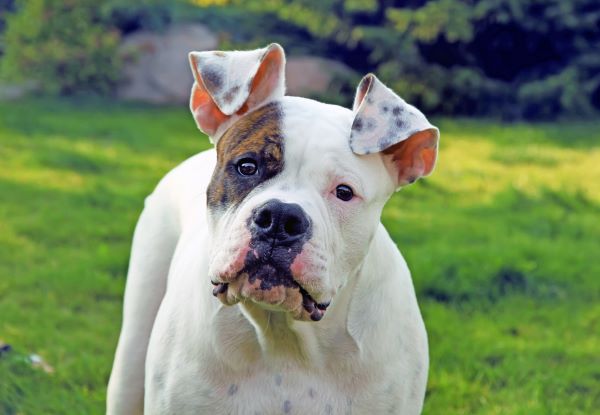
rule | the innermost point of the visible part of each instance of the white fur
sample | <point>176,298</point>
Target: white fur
<point>368,355</point>
<point>385,119</point>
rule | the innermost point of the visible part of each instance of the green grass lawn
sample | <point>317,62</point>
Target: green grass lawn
<point>503,241</point>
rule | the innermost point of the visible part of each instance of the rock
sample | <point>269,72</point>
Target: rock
<point>15,91</point>
<point>157,69</point>
<point>309,75</point>
<point>38,362</point>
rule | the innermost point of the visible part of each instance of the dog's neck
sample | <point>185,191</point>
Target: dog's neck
<point>248,333</point>
<point>280,337</point>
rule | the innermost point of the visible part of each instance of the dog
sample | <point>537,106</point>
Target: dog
<point>261,279</point>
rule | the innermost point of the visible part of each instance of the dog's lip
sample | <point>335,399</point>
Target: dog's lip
<point>220,287</point>
<point>313,308</point>
<point>316,310</point>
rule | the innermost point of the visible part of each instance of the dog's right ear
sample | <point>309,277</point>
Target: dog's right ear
<point>229,84</point>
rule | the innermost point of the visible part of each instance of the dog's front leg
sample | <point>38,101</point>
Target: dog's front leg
<point>154,242</point>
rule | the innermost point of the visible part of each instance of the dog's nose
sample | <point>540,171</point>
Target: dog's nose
<point>284,222</point>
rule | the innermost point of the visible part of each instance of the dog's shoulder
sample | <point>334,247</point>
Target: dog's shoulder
<point>181,193</point>
<point>190,177</point>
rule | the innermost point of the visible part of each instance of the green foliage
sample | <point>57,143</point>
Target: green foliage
<point>5,7</point>
<point>502,241</point>
<point>152,15</point>
<point>511,58</point>
<point>64,46</point>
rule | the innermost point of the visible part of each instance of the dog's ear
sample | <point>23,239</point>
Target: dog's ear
<point>384,123</point>
<point>229,84</point>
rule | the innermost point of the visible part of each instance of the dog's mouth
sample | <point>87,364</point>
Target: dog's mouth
<point>273,288</point>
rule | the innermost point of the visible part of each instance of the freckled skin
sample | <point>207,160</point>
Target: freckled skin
<point>231,94</point>
<point>357,125</point>
<point>212,77</point>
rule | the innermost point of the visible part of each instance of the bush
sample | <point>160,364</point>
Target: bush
<point>64,46</point>
<point>153,15</point>
<point>517,59</point>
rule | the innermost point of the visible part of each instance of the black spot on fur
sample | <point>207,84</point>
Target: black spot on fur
<point>212,77</point>
<point>396,111</point>
<point>287,407</point>
<point>371,124</point>
<point>357,125</point>
<point>233,388</point>
<point>231,94</point>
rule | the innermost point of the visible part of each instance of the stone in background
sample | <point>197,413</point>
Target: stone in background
<point>157,69</point>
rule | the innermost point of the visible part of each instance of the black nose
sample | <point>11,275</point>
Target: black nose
<point>284,222</point>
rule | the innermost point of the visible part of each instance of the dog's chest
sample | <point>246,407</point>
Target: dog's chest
<point>265,392</point>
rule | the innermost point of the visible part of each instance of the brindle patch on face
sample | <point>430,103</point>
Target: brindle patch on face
<point>256,136</point>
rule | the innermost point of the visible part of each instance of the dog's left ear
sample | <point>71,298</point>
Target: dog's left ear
<point>384,123</point>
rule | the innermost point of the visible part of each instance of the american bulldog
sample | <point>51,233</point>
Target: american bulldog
<point>261,279</point>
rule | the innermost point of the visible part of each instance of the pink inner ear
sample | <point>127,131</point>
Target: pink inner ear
<point>207,114</point>
<point>212,109</point>
<point>266,79</point>
<point>363,88</point>
<point>414,157</point>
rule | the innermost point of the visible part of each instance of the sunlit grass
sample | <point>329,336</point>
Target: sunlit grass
<point>503,241</point>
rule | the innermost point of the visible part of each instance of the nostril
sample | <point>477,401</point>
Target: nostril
<point>293,226</point>
<point>263,219</point>
<point>285,222</point>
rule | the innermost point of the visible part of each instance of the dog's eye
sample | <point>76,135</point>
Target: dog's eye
<point>344,192</point>
<point>247,167</point>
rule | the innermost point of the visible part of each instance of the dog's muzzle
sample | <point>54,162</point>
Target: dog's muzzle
<point>278,232</point>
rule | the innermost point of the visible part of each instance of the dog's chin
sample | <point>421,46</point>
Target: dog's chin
<point>273,290</point>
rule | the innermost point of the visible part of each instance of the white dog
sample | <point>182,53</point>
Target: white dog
<point>311,308</point>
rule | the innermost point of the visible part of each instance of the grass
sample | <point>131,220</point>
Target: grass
<point>503,241</point>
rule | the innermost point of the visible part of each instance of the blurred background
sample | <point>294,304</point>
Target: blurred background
<point>503,240</point>
<point>529,59</point>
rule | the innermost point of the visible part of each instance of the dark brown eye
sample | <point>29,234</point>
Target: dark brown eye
<point>247,167</point>
<point>344,192</point>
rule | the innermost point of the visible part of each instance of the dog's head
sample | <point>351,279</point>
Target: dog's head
<point>297,192</point>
